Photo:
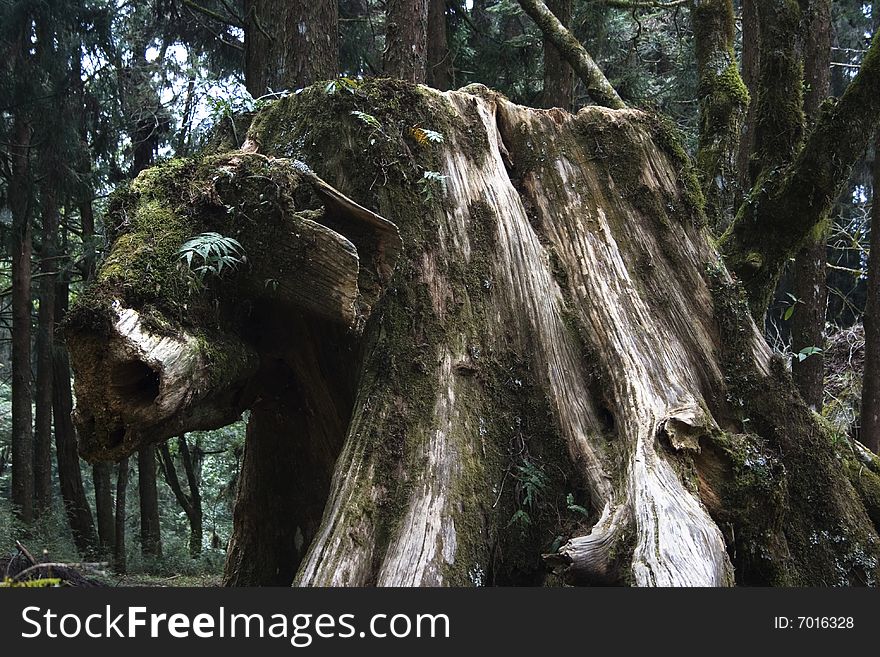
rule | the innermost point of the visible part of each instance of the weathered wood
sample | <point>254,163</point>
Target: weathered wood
<point>141,383</point>
<point>559,321</point>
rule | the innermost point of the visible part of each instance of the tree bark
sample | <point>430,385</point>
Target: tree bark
<point>151,531</point>
<point>439,59</point>
<point>73,495</point>
<point>573,52</point>
<point>20,199</point>
<point>293,439</point>
<point>555,315</point>
<point>558,75</point>
<point>406,39</point>
<point>289,44</point>
<point>810,287</point>
<point>724,102</point>
<point>120,557</point>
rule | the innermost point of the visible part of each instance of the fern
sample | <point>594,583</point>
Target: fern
<point>368,119</point>
<point>342,84</point>
<point>211,253</point>
<point>425,137</point>
<point>431,179</point>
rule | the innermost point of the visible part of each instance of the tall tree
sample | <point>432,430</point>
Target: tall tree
<point>120,556</point>
<point>46,334</point>
<point>289,44</point>
<point>73,495</point>
<point>870,407</point>
<point>439,58</point>
<point>151,531</point>
<point>810,287</point>
<point>406,39</point>
<point>558,77</point>
<point>724,100</point>
<point>190,503</point>
<point>16,33</point>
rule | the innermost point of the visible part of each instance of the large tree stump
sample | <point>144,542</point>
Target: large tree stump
<point>559,364</point>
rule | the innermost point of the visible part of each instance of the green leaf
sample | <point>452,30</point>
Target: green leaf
<point>788,313</point>
<point>806,352</point>
<point>368,119</point>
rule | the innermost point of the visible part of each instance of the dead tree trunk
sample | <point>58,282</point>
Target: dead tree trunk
<point>552,347</point>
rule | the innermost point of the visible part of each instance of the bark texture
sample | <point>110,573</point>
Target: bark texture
<point>558,75</point>
<point>439,57</point>
<point>20,200</point>
<point>559,352</point>
<point>406,39</point>
<point>289,44</point>
<point>44,347</point>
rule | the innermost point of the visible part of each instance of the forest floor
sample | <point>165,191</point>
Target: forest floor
<point>145,580</point>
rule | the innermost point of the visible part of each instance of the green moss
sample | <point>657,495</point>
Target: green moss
<point>812,529</point>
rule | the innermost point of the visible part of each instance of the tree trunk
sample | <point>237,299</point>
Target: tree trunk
<point>724,102</point>
<point>790,198</point>
<point>120,557</point>
<point>406,39</point>
<point>571,50</point>
<point>439,59</point>
<point>558,76</point>
<point>810,287</point>
<point>102,481</point>
<point>151,532</point>
<point>73,495</point>
<point>751,56</point>
<point>195,515</point>
<point>870,409</point>
<point>289,44</point>
<point>192,503</point>
<point>558,352</point>
<point>44,348</point>
<point>20,200</point>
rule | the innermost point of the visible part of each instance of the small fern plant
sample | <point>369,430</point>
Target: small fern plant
<point>211,254</point>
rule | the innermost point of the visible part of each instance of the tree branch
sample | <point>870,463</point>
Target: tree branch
<point>598,86</point>
<point>220,18</point>
<point>641,4</point>
<point>788,203</point>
